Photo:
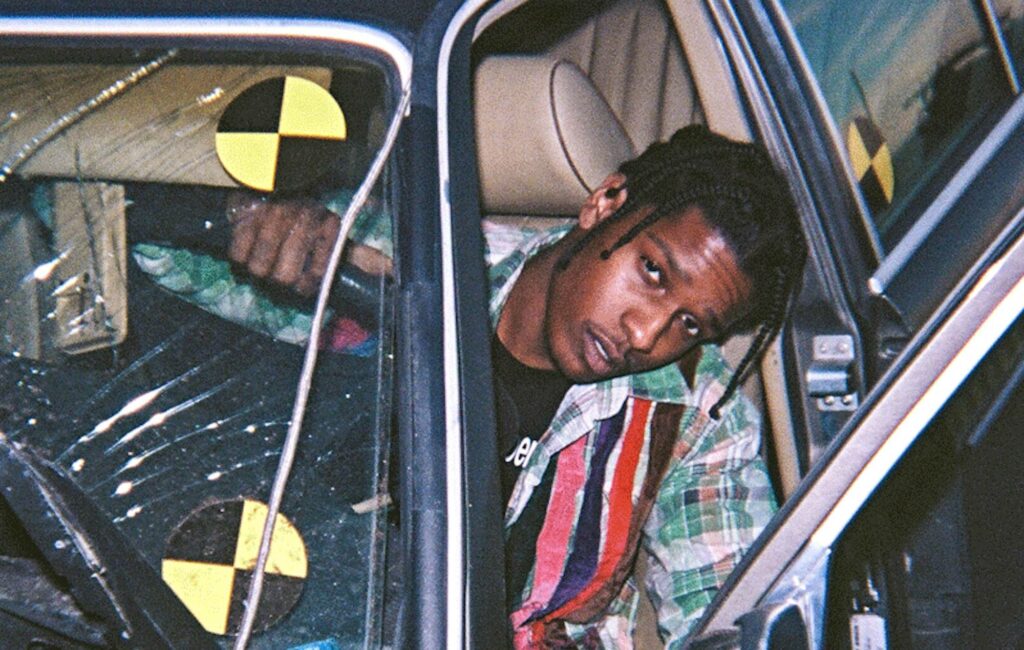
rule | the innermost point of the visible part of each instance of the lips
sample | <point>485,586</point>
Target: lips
<point>601,353</point>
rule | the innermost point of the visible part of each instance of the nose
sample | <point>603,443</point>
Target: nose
<point>644,326</point>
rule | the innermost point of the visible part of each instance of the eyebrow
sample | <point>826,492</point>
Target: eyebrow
<point>712,316</point>
<point>667,252</point>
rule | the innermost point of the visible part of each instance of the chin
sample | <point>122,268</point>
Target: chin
<point>574,370</point>
<point>583,375</point>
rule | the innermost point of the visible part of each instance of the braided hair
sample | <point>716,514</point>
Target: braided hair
<point>744,198</point>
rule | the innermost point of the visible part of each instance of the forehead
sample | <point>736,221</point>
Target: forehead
<point>687,233</point>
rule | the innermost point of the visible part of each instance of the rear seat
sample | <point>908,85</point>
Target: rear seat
<point>545,136</point>
<point>631,53</point>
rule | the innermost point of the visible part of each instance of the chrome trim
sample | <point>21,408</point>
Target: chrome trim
<point>954,189</point>
<point>241,28</point>
<point>1004,52</point>
<point>456,575</point>
<point>806,585</point>
<point>825,506</point>
<point>910,426</point>
<point>803,67</point>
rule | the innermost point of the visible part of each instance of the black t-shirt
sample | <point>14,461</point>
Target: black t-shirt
<point>526,400</point>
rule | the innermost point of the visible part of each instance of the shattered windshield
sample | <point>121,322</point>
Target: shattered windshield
<point>153,328</point>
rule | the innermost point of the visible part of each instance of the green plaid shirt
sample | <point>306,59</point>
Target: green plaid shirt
<point>714,499</point>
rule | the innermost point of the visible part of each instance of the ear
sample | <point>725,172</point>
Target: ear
<point>603,201</point>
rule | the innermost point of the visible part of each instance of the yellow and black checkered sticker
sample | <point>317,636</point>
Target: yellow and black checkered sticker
<point>280,134</point>
<point>872,163</point>
<point>210,558</point>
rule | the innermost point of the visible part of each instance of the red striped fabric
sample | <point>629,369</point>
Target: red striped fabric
<point>553,541</point>
<point>619,508</point>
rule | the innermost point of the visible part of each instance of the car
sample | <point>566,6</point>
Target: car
<point>159,405</point>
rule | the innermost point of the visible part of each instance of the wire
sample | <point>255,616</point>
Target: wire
<point>291,440</point>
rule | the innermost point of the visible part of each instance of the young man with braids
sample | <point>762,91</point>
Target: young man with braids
<point>693,241</point>
<point>619,420</point>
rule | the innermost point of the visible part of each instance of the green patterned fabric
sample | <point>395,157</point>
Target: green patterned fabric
<point>715,497</point>
<point>372,225</point>
<point>208,282</point>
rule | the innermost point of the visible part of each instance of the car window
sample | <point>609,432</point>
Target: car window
<point>906,85</point>
<point>1010,14</point>
<point>158,374</point>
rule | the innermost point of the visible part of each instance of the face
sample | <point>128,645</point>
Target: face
<point>675,285</point>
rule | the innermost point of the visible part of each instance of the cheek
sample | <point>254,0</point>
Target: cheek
<point>673,347</point>
<point>577,293</point>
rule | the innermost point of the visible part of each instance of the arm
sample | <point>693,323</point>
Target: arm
<point>712,504</point>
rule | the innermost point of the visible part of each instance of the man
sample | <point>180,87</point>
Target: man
<point>618,417</point>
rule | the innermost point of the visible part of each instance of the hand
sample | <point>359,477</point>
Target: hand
<point>286,241</point>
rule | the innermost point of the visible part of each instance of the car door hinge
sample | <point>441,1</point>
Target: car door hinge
<point>828,377</point>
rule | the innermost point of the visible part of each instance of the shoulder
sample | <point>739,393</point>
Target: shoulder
<point>508,247</point>
<point>505,237</point>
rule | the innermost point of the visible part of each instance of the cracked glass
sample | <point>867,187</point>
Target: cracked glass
<point>141,358</point>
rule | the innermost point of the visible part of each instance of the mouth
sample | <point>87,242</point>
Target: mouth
<point>601,354</point>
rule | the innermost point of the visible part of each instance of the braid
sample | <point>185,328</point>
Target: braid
<point>743,197</point>
<point>765,333</point>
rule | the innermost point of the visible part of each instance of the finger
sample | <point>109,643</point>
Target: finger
<point>297,246</point>
<point>273,226</point>
<point>367,258</point>
<point>244,218</point>
<point>240,201</point>
<point>322,248</point>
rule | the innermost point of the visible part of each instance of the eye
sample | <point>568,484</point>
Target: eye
<point>651,270</point>
<point>691,325</point>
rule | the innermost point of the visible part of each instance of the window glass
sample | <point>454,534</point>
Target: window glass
<point>1010,14</point>
<point>159,374</point>
<point>905,83</point>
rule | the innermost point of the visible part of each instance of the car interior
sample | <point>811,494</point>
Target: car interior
<point>564,92</point>
<point>590,93</point>
<point>108,373</point>
<point>162,407</point>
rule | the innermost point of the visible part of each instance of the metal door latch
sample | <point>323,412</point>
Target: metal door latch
<point>828,377</point>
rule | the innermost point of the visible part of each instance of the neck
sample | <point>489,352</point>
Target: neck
<point>521,326</point>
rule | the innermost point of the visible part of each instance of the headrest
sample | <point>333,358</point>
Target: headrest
<point>545,136</point>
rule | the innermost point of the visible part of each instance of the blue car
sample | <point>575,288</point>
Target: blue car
<point>197,452</point>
